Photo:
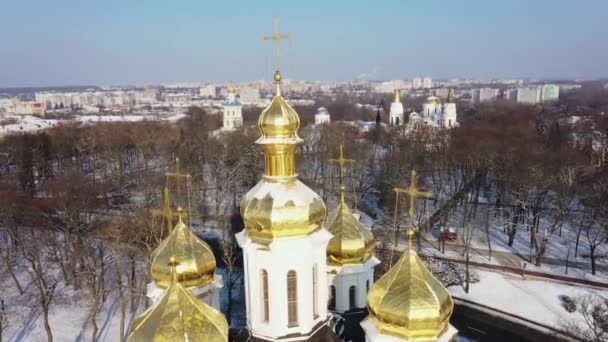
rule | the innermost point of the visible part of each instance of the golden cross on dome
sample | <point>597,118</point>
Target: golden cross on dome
<point>178,175</point>
<point>413,192</point>
<point>342,161</point>
<point>276,37</point>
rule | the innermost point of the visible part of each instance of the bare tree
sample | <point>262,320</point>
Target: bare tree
<point>594,311</point>
<point>32,246</point>
<point>3,318</point>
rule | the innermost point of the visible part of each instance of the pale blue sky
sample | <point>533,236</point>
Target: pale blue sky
<point>73,42</point>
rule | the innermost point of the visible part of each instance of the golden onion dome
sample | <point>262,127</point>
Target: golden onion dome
<point>281,207</point>
<point>409,302</point>
<point>179,316</point>
<point>352,242</point>
<point>196,262</point>
<point>279,122</point>
<point>397,96</point>
<point>432,100</point>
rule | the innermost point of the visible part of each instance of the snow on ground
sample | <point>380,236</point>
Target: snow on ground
<point>535,300</point>
<point>69,314</point>
<point>32,124</point>
<point>27,124</point>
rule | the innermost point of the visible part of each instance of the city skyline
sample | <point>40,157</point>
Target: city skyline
<point>72,43</point>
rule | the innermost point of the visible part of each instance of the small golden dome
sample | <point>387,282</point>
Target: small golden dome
<point>352,243</point>
<point>179,316</point>
<point>281,207</point>
<point>231,90</point>
<point>409,302</point>
<point>432,100</point>
<point>279,122</point>
<point>195,259</point>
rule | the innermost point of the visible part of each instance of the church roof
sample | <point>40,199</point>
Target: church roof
<point>409,302</point>
<point>196,262</point>
<point>352,242</point>
<point>179,316</point>
<point>233,103</point>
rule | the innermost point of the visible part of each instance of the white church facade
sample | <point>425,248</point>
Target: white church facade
<point>232,111</point>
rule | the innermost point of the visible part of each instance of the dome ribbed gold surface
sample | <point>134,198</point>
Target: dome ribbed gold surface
<point>432,100</point>
<point>352,242</point>
<point>409,302</point>
<point>279,122</point>
<point>179,316</point>
<point>196,262</point>
<point>280,205</point>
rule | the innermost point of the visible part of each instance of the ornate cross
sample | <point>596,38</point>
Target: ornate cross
<point>413,192</point>
<point>276,37</point>
<point>341,161</point>
<point>178,175</point>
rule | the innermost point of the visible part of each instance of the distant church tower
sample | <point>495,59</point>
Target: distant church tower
<point>449,111</point>
<point>284,241</point>
<point>396,113</point>
<point>322,116</point>
<point>233,114</point>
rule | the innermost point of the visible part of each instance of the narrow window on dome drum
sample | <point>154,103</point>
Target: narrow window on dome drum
<point>266,307</point>
<point>315,302</point>
<point>352,297</point>
<point>332,298</point>
<point>292,299</point>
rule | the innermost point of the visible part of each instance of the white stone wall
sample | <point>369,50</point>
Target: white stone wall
<point>300,254</point>
<point>343,277</point>
<point>396,114</point>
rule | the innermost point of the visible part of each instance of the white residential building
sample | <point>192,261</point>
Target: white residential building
<point>484,94</point>
<point>528,95</point>
<point>549,93</point>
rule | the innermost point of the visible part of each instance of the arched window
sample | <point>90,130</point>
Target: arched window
<point>292,299</point>
<point>352,297</point>
<point>396,121</point>
<point>332,298</point>
<point>265,303</point>
<point>366,286</point>
<point>315,300</point>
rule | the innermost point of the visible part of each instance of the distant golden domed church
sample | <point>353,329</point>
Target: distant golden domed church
<point>298,268</point>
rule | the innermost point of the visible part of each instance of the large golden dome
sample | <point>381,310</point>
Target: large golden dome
<point>195,259</point>
<point>179,316</point>
<point>280,205</point>
<point>409,302</point>
<point>432,100</point>
<point>352,243</point>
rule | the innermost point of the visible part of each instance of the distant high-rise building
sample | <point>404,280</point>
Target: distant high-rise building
<point>427,83</point>
<point>249,94</point>
<point>528,95</point>
<point>417,83</point>
<point>441,92</point>
<point>484,94</point>
<point>549,93</point>
<point>209,91</point>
